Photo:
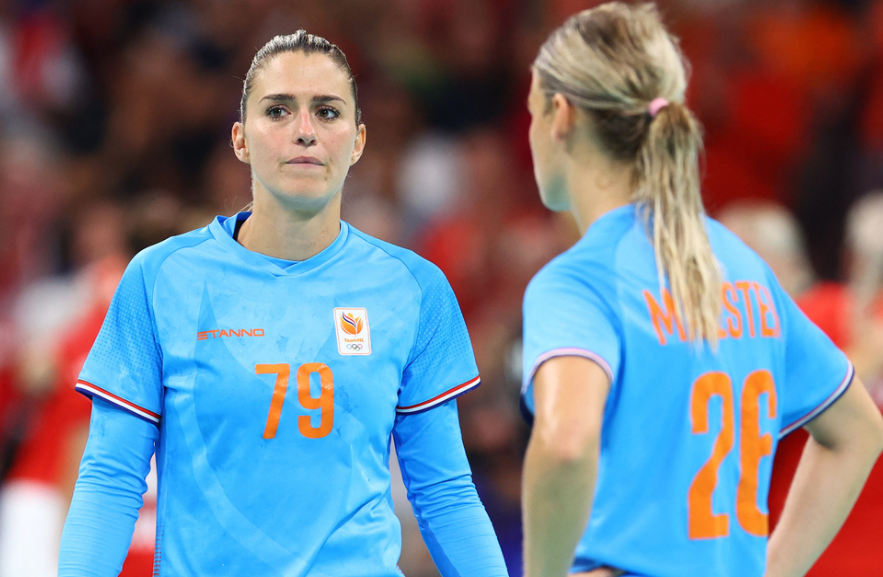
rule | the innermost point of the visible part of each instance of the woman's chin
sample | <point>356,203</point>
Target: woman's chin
<point>555,204</point>
<point>306,201</point>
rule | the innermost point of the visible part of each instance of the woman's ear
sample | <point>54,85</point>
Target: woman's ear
<point>240,145</point>
<point>359,148</point>
<point>563,118</point>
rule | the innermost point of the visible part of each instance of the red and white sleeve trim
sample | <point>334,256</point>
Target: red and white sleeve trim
<point>439,399</point>
<point>566,352</point>
<point>841,388</point>
<point>91,390</point>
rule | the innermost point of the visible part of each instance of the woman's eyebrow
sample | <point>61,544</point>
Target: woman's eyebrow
<point>320,98</point>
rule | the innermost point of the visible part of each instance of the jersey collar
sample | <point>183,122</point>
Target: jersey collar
<point>222,230</point>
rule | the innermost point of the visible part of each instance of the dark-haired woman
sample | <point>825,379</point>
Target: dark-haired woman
<point>268,359</point>
<point>662,358</point>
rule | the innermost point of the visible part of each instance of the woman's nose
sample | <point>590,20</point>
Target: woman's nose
<point>305,132</point>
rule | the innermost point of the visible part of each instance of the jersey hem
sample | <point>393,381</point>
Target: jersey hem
<point>566,352</point>
<point>838,392</point>
<point>439,399</point>
<point>91,390</point>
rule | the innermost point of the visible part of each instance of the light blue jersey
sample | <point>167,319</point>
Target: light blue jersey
<point>688,435</point>
<point>275,387</point>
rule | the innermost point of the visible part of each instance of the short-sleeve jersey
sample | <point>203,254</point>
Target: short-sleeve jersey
<point>275,387</point>
<point>688,434</point>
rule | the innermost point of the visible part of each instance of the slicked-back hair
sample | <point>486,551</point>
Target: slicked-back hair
<point>305,43</point>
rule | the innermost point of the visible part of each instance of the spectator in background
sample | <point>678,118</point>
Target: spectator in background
<point>771,231</point>
<point>35,496</point>
<point>851,314</point>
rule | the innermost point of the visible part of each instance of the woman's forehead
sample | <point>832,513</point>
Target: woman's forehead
<point>302,75</point>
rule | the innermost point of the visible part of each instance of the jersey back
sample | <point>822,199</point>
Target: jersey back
<point>688,433</point>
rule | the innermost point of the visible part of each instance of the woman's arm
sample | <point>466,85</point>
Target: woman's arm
<point>108,493</point>
<point>561,462</point>
<point>436,473</point>
<point>844,443</point>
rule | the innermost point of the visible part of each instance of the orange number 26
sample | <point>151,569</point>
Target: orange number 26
<point>324,403</point>
<point>703,523</point>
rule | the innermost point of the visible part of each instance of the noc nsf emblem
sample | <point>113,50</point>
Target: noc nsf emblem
<point>353,334</point>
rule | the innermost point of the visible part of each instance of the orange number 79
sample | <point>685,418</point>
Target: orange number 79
<point>324,403</point>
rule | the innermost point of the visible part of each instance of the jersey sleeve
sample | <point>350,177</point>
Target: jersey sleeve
<point>816,371</point>
<point>441,365</point>
<point>124,366</point>
<point>108,494</point>
<point>565,317</point>
<point>451,517</point>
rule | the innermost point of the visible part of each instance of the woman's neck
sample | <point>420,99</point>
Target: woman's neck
<point>597,187</point>
<point>280,233</point>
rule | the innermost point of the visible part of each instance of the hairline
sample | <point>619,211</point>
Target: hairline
<point>306,50</point>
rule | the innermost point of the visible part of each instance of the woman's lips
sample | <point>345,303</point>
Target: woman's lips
<point>306,160</point>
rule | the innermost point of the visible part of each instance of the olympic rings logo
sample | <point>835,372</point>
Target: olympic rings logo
<point>354,346</point>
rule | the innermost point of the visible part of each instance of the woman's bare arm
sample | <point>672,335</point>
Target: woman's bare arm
<point>561,462</point>
<point>844,443</point>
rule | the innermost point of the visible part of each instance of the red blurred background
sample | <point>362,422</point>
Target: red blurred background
<point>115,121</point>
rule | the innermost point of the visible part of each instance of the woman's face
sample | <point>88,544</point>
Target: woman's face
<point>546,167</point>
<point>299,136</point>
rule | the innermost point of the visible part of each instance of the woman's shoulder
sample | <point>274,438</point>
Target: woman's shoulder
<point>576,269</point>
<point>619,234</point>
<point>153,256</point>
<point>392,259</point>
<point>615,249</point>
<point>598,252</point>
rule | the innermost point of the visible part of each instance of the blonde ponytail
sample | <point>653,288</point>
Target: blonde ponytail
<point>668,190</point>
<point>613,62</point>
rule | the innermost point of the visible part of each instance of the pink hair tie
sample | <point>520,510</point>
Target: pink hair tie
<point>656,105</point>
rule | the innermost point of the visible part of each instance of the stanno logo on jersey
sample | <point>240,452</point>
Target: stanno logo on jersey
<point>353,333</point>
<point>217,334</point>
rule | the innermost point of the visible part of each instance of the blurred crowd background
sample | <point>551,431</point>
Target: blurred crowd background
<point>115,121</point>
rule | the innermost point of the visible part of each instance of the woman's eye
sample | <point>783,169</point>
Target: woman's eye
<point>276,112</point>
<point>328,113</point>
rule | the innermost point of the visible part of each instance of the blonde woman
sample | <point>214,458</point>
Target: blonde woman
<point>663,361</point>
